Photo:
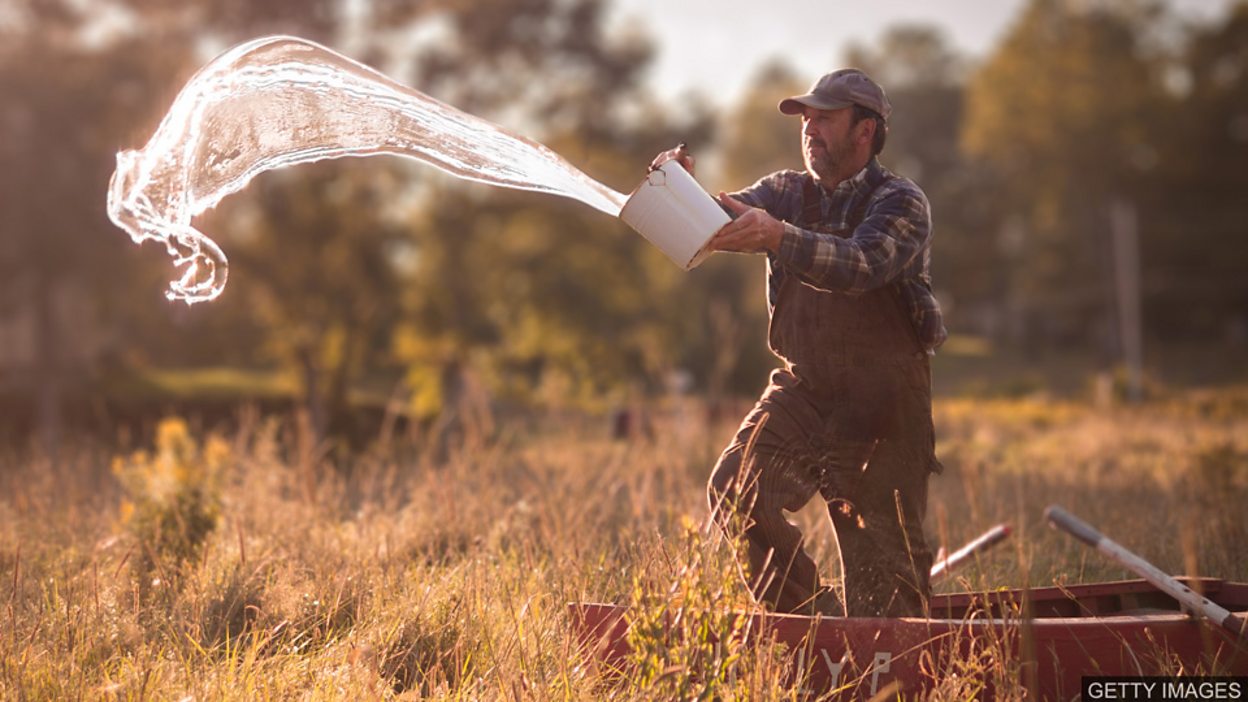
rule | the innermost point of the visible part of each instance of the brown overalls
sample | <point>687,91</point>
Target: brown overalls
<point>850,418</point>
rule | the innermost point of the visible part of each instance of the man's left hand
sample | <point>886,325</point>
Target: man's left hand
<point>751,231</point>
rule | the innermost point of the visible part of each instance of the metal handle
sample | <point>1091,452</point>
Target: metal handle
<point>1073,525</point>
<point>1159,579</point>
<point>984,541</point>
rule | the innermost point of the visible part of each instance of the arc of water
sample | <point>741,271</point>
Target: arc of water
<point>280,101</point>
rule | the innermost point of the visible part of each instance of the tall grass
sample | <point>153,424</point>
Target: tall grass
<point>401,576</point>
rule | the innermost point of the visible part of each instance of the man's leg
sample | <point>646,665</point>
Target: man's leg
<point>780,573</point>
<point>884,556</point>
<point>757,477</point>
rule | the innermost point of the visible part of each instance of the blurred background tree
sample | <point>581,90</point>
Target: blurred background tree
<point>64,283</point>
<point>1196,254</point>
<point>1058,114</point>
<point>361,282</point>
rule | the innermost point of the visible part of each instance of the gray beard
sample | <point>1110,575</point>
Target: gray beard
<point>820,168</point>
<point>825,166</point>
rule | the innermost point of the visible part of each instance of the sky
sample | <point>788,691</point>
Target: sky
<point>715,46</point>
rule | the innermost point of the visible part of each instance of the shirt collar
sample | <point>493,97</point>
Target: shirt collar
<point>863,181</point>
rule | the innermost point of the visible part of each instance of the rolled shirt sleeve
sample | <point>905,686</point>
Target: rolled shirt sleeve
<point>779,194</point>
<point>894,234</point>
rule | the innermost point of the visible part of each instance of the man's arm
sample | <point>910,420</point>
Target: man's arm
<point>755,227</point>
<point>895,231</point>
<point>752,230</point>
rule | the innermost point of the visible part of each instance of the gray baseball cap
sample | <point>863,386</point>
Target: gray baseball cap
<point>838,89</point>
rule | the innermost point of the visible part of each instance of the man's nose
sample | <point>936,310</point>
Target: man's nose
<point>808,126</point>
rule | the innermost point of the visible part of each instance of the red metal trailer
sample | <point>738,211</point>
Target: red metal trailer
<point>1058,634</point>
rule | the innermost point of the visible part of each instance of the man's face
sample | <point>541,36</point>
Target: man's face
<point>827,142</point>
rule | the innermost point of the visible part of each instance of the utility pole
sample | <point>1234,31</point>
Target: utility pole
<point>1125,236</point>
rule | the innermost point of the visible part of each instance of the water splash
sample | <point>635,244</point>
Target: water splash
<point>280,101</point>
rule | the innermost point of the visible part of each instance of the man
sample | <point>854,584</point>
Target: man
<point>854,320</point>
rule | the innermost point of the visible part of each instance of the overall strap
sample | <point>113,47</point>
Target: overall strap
<point>812,203</point>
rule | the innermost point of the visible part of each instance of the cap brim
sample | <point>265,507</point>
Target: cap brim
<point>795,105</point>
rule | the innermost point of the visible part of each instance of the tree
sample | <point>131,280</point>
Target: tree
<point>62,272</point>
<point>1056,113</point>
<point>1193,206</point>
<point>545,300</point>
<point>756,138</point>
<point>319,280</point>
<point>314,269</point>
<point>79,92</point>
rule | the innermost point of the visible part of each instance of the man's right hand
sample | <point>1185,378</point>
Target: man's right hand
<point>680,154</point>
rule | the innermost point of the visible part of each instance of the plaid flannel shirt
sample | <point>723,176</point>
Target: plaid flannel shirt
<point>893,243</point>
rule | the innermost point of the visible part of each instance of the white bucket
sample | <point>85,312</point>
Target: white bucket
<point>674,213</point>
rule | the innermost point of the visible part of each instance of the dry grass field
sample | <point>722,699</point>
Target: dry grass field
<point>243,566</point>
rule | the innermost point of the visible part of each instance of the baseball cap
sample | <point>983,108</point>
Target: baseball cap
<point>838,89</point>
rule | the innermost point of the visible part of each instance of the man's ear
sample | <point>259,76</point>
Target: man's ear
<point>865,131</point>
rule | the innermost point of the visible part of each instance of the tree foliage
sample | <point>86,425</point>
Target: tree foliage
<point>1055,112</point>
<point>1082,106</point>
<point>1195,251</point>
<point>385,274</point>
